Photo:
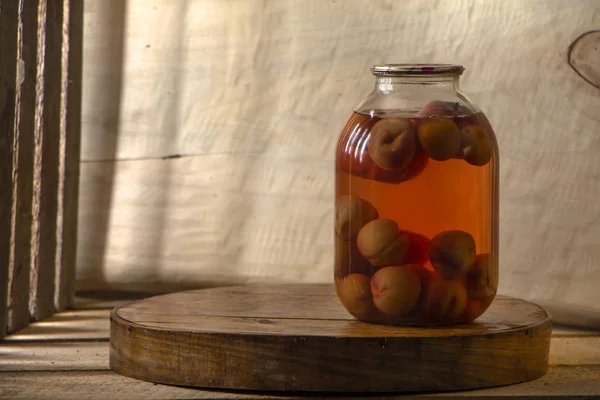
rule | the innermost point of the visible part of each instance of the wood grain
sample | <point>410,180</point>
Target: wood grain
<point>73,326</point>
<point>79,353</point>
<point>263,90</point>
<point>8,55</point>
<point>575,350</point>
<point>18,299</point>
<point>46,176</point>
<point>68,366</point>
<point>54,356</point>
<point>69,145</point>
<point>299,337</point>
<point>560,382</point>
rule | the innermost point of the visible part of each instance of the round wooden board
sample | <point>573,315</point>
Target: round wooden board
<point>299,338</point>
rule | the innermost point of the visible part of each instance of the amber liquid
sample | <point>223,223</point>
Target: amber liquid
<point>444,195</point>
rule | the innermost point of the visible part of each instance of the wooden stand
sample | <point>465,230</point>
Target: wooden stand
<point>299,338</point>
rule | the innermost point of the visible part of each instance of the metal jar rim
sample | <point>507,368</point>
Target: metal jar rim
<point>417,70</point>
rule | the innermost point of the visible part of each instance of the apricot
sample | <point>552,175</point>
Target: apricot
<point>351,214</point>
<point>486,302</point>
<point>413,169</point>
<point>452,253</point>
<point>473,310</point>
<point>418,248</point>
<point>425,275</point>
<point>382,243</point>
<point>354,292</point>
<point>392,144</point>
<point>476,308</point>
<point>439,108</point>
<point>354,159</point>
<point>482,277</point>
<point>348,259</point>
<point>444,300</point>
<point>365,167</point>
<point>395,290</point>
<point>475,145</point>
<point>440,138</point>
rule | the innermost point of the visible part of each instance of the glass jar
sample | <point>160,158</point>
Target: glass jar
<point>416,202</point>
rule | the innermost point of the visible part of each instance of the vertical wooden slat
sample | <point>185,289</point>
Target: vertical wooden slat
<point>46,148</point>
<point>70,142</point>
<point>40,112</point>
<point>8,57</point>
<point>18,295</point>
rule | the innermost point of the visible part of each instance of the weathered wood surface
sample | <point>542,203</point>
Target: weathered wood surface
<point>80,354</point>
<point>53,356</point>
<point>40,93</point>
<point>575,350</point>
<point>25,98</point>
<point>69,146</point>
<point>28,353</point>
<point>77,368</point>
<point>8,53</point>
<point>561,382</point>
<point>212,161</point>
<point>300,338</point>
<point>87,325</point>
<point>46,159</point>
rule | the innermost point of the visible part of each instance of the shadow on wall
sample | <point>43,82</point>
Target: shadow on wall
<point>247,104</point>
<point>105,97</point>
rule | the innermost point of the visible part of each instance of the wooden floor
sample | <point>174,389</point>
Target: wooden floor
<point>66,357</point>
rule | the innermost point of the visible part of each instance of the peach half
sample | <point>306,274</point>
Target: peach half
<point>392,144</point>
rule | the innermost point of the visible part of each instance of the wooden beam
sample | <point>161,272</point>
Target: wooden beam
<point>46,173</point>
<point>18,295</point>
<point>70,142</point>
<point>8,57</point>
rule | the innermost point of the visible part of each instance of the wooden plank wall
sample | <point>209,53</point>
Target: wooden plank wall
<point>40,91</point>
<point>44,242</point>
<point>70,149</point>
<point>8,52</point>
<point>209,131</point>
<point>18,299</point>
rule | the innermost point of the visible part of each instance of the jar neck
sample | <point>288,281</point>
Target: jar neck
<point>388,84</point>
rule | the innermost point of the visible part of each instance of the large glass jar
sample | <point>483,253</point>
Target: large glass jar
<point>416,203</point>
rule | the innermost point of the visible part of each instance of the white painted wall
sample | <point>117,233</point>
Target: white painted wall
<point>252,94</point>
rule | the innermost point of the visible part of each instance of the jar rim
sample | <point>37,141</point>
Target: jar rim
<point>417,70</point>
